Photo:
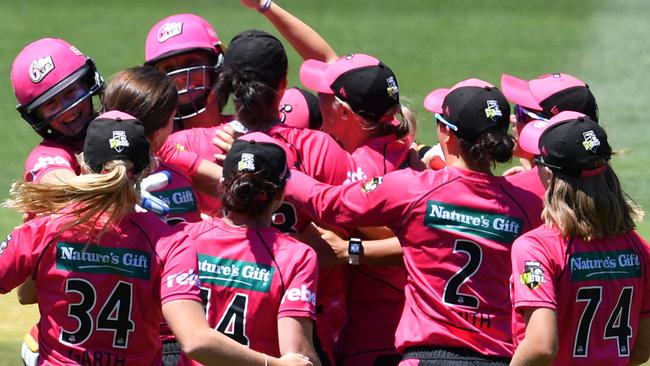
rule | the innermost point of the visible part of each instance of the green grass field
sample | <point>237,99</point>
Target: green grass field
<point>429,44</point>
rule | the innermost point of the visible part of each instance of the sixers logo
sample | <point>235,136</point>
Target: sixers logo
<point>40,68</point>
<point>169,30</point>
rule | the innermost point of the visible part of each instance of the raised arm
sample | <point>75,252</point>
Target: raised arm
<point>305,40</point>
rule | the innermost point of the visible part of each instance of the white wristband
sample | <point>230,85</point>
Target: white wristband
<point>264,7</point>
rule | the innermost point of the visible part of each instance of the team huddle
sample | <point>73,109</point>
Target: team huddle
<point>309,227</point>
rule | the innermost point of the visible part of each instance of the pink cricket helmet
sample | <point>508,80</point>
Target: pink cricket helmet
<point>43,69</point>
<point>180,33</point>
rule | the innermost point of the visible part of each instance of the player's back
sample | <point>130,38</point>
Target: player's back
<point>252,277</point>
<point>456,237</point>
<point>102,303</point>
<point>602,288</point>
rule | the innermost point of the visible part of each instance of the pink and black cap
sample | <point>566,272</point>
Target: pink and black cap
<point>469,108</point>
<point>257,153</point>
<point>367,85</point>
<point>43,69</point>
<point>570,143</point>
<point>178,34</point>
<point>299,108</point>
<point>116,135</point>
<point>258,53</point>
<point>551,94</point>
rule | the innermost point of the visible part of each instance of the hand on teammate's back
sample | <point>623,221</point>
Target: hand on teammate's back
<point>223,139</point>
<point>293,359</point>
<point>324,242</point>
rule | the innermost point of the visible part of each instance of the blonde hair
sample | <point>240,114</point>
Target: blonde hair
<point>95,199</point>
<point>589,208</point>
<point>382,127</point>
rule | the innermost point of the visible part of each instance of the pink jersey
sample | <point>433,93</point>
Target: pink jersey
<point>100,304</point>
<point>456,228</point>
<point>528,180</point>
<point>252,277</point>
<point>599,289</point>
<point>48,156</point>
<point>376,292</point>
<point>179,196</point>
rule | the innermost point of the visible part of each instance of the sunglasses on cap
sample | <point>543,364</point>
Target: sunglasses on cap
<point>524,116</point>
<point>442,120</point>
<point>539,160</point>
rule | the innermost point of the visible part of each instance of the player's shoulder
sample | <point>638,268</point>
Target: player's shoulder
<point>152,226</point>
<point>285,244</point>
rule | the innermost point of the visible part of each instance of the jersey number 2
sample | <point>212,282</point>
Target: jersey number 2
<point>452,296</point>
<point>617,327</point>
<point>115,314</point>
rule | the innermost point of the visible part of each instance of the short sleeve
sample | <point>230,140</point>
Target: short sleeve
<point>176,153</point>
<point>17,257</point>
<point>532,275</point>
<point>179,278</point>
<point>299,299</point>
<point>44,159</point>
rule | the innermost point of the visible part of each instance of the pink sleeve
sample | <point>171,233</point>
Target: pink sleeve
<point>324,159</point>
<point>17,257</point>
<point>175,153</point>
<point>369,203</point>
<point>44,159</point>
<point>533,276</point>
<point>299,299</point>
<point>179,278</point>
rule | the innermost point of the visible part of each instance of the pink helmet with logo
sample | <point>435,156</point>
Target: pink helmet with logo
<point>178,34</point>
<point>45,68</point>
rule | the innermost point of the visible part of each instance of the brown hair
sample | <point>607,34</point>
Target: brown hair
<point>144,92</point>
<point>589,208</point>
<point>249,193</point>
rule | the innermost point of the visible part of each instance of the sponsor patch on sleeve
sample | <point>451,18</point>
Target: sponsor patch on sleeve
<point>533,275</point>
<point>372,184</point>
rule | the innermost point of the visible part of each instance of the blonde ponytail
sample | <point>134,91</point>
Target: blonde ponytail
<point>91,198</point>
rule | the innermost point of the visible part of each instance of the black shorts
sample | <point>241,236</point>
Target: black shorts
<point>448,356</point>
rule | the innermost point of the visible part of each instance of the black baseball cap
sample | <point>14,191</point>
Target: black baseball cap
<point>257,52</point>
<point>367,85</point>
<point>469,108</point>
<point>551,94</point>
<point>257,152</point>
<point>116,135</point>
<point>574,144</point>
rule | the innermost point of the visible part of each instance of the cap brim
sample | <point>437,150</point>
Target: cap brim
<point>530,134</point>
<point>518,91</point>
<point>433,101</point>
<point>313,76</point>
